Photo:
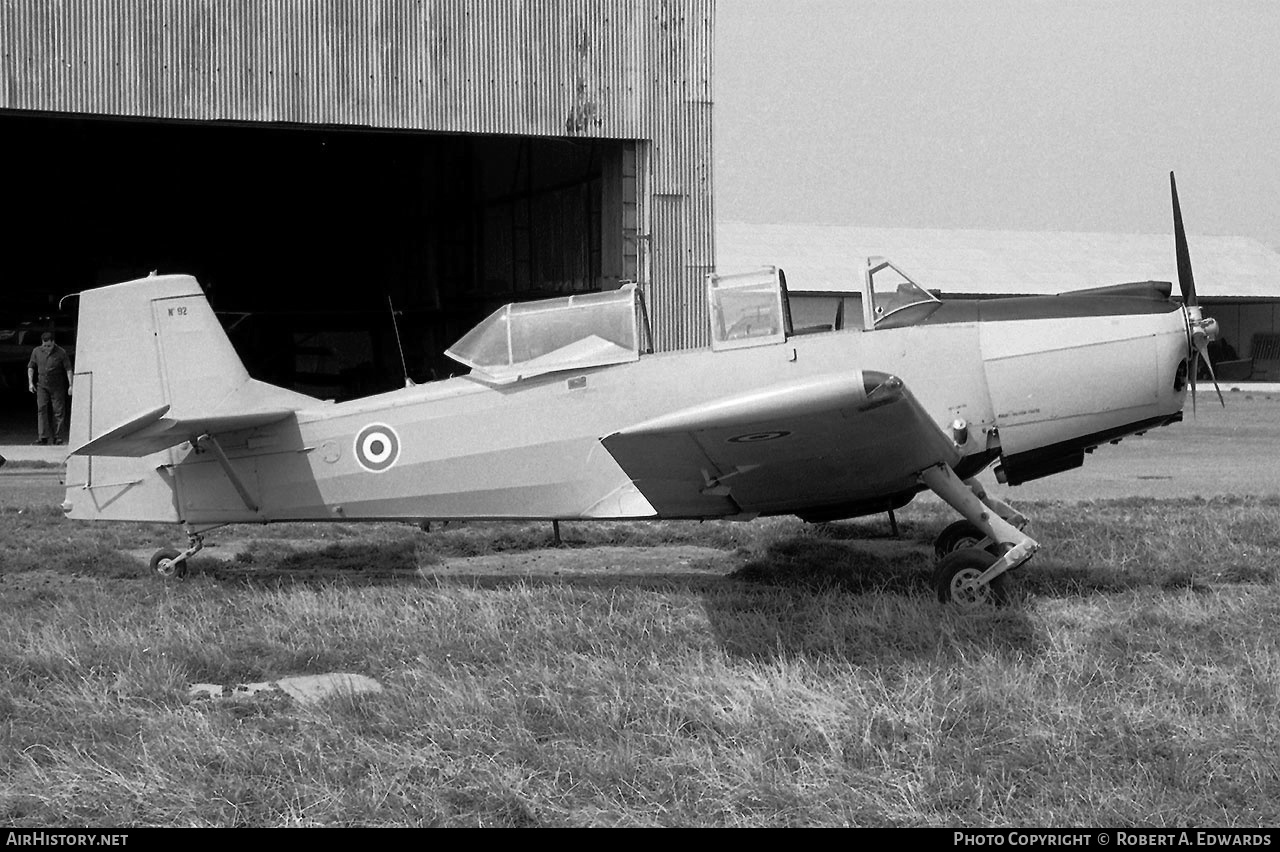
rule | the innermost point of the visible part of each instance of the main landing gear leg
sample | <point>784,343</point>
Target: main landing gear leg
<point>995,504</point>
<point>169,563</point>
<point>964,533</point>
<point>972,575</point>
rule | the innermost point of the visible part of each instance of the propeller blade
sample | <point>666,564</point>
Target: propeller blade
<point>1209,365</point>
<point>1195,368</point>
<point>1186,281</point>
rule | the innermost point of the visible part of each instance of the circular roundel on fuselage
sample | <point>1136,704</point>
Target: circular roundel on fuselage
<point>756,437</point>
<point>377,447</point>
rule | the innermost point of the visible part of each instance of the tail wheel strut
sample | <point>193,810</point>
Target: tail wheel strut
<point>172,564</point>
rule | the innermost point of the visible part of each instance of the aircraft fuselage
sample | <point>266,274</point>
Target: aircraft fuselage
<point>1036,387</point>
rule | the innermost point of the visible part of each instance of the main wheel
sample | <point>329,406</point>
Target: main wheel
<point>957,570</point>
<point>162,563</point>
<point>955,536</point>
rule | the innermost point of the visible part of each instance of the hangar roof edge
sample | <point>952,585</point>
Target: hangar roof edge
<point>831,257</point>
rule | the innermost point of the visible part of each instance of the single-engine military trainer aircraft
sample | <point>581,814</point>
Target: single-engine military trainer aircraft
<point>565,414</point>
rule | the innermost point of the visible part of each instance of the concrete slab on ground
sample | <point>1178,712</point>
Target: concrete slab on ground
<point>28,452</point>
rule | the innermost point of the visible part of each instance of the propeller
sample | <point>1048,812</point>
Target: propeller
<point>1200,330</point>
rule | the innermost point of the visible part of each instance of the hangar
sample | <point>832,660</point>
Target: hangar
<point>1237,279</point>
<point>335,173</point>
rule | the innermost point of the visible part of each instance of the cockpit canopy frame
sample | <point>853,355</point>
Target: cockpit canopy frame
<point>748,308</point>
<point>526,339</point>
<point>755,308</point>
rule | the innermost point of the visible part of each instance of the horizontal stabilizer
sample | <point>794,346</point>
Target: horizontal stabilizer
<point>151,432</point>
<point>125,429</point>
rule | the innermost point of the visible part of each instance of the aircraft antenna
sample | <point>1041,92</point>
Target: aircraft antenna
<point>395,325</point>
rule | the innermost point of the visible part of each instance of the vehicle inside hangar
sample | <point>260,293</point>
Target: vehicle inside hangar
<point>307,238</point>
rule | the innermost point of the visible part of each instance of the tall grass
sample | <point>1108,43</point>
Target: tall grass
<point>769,673</point>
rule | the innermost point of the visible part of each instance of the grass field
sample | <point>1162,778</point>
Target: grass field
<point>716,674</point>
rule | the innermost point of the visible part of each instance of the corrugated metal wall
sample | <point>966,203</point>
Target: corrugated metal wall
<point>622,69</point>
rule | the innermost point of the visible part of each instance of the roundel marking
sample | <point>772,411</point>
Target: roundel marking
<point>377,447</point>
<point>754,437</point>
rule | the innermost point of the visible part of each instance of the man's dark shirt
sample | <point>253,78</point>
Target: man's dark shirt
<point>51,367</point>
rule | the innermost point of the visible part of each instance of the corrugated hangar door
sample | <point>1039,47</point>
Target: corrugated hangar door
<point>308,238</point>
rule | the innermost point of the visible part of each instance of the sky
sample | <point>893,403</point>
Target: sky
<point>1064,115</point>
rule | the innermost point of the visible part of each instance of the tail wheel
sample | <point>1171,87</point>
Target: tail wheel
<point>162,562</point>
<point>957,536</point>
<point>954,576</point>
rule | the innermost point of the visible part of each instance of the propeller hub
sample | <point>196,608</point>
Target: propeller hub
<point>1210,327</point>
<point>1203,332</point>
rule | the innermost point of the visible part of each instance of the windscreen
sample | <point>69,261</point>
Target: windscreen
<point>892,291</point>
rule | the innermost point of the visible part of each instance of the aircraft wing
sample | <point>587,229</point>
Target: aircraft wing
<point>836,439</point>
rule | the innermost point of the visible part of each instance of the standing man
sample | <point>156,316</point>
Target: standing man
<point>49,378</point>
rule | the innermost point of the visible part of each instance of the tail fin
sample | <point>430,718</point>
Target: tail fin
<point>155,368</point>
